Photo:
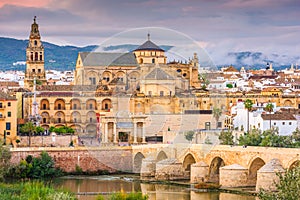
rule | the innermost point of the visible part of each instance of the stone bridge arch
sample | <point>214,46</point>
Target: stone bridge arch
<point>188,160</point>
<point>137,162</point>
<point>161,156</point>
<point>254,165</point>
<point>214,169</point>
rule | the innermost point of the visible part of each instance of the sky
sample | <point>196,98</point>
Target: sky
<point>218,26</point>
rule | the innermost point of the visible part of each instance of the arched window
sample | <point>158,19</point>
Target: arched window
<point>31,56</point>
<point>36,56</point>
<point>153,60</point>
<point>141,60</point>
<point>35,42</point>
<point>41,56</point>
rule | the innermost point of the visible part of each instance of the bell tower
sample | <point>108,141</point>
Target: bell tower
<point>34,58</point>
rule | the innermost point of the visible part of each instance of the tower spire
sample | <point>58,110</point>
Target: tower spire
<point>148,36</point>
<point>34,19</point>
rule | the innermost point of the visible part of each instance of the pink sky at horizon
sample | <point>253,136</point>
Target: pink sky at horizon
<point>25,3</point>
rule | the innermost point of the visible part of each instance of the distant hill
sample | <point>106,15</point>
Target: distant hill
<point>12,56</point>
<point>56,57</point>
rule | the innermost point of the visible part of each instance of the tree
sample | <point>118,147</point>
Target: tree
<point>217,112</point>
<point>5,156</point>
<point>189,136</point>
<point>287,187</point>
<point>269,108</point>
<point>226,138</point>
<point>251,138</point>
<point>28,129</point>
<point>248,105</point>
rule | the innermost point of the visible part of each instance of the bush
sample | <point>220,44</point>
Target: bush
<point>287,187</point>
<point>37,168</point>
<point>226,138</point>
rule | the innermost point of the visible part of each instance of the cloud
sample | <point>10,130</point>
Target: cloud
<point>222,25</point>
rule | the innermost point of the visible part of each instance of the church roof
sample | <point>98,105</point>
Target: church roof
<point>107,59</point>
<point>149,45</point>
<point>158,74</point>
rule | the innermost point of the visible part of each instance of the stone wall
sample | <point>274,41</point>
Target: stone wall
<point>92,159</point>
<point>48,141</point>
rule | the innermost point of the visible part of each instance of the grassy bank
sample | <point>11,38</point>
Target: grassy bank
<point>33,191</point>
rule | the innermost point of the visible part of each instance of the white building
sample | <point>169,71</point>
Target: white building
<point>285,122</point>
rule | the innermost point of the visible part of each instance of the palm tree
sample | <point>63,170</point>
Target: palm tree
<point>248,105</point>
<point>217,112</point>
<point>269,108</point>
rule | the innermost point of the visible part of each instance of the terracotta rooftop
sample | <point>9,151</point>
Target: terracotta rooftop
<point>278,116</point>
<point>4,96</point>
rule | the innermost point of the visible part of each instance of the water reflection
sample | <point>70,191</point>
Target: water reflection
<point>110,184</point>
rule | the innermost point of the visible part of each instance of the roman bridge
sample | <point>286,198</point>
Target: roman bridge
<point>231,166</point>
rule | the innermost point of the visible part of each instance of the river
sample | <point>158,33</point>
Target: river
<point>110,184</point>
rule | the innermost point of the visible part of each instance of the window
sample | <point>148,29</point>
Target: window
<point>153,60</point>
<point>35,42</point>
<point>8,126</point>
<point>1,105</point>
<point>91,120</point>
<point>39,70</point>
<point>44,120</point>
<point>93,80</point>
<point>75,106</point>
<point>290,123</point>
<point>9,114</point>
<point>7,133</point>
<point>274,123</point>
<point>106,106</point>
<point>150,93</point>
<point>36,56</point>
<point>33,70</point>
<point>44,106</point>
<point>283,123</point>
<point>59,120</point>
<point>219,124</point>
<point>75,120</point>
<point>9,104</point>
<point>161,93</point>
<point>91,106</point>
<point>41,56</point>
<point>59,106</point>
<point>106,79</point>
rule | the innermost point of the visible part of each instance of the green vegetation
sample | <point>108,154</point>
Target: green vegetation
<point>41,167</point>
<point>62,130</point>
<point>226,138</point>
<point>32,191</point>
<point>229,85</point>
<point>189,136</point>
<point>287,187</point>
<point>248,105</point>
<point>125,196</point>
<point>269,108</point>
<point>270,138</point>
